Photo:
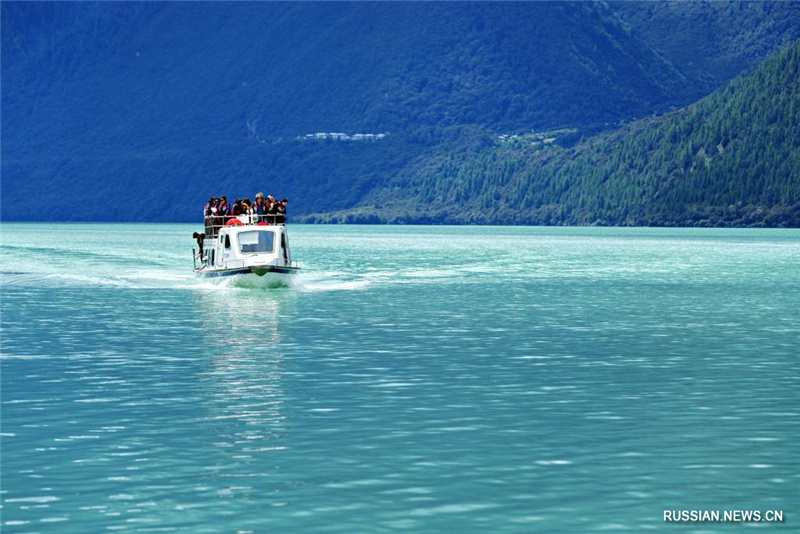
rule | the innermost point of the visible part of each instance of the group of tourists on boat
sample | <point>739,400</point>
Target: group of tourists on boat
<point>218,212</point>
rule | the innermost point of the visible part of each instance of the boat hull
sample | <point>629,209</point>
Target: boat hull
<point>256,277</point>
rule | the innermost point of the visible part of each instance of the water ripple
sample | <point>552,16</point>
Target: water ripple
<point>556,380</point>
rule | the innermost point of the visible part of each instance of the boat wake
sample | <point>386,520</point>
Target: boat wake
<point>23,279</point>
<point>314,287</point>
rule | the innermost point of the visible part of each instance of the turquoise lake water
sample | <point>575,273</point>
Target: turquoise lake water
<point>416,379</point>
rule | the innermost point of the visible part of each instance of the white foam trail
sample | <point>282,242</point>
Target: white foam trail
<point>312,287</point>
<point>158,275</point>
<point>72,279</point>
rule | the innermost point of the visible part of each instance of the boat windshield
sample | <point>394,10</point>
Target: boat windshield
<point>256,241</point>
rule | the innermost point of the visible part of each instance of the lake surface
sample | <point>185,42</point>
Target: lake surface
<point>419,379</point>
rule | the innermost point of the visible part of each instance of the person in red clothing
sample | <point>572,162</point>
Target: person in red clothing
<point>280,210</point>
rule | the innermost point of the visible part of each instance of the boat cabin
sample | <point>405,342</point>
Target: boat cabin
<point>245,246</point>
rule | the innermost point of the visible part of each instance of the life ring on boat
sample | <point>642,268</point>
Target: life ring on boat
<point>234,222</point>
<point>263,223</point>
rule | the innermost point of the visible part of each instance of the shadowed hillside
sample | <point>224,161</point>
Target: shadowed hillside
<point>711,42</point>
<point>128,77</point>
<point>149,108</point>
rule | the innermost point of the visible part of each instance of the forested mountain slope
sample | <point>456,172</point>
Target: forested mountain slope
<point>136,111</point>
<point>711,42</point>
<point>128,77</point>
<point>732,159</point>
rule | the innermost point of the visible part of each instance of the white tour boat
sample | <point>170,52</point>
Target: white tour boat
<point>247,254</point>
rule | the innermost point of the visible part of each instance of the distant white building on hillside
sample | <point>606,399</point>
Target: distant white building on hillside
<point>341,136</point>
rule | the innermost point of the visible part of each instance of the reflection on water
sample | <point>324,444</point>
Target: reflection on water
<point>243,318</point>
<point>244,411</point>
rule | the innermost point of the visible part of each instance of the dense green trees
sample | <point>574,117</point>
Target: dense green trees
<point>732,159</point>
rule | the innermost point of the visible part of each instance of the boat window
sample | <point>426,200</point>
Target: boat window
<point>256,241</point>
<point>227,241</point>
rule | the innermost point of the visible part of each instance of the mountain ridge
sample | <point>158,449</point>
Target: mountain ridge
<point>153,107</point>
<point>731,159</point>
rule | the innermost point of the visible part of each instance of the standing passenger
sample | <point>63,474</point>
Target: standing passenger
<point>223,210</point>
<point>260,208</point>
<point>281,211</point>
<point>272,209</point>
<point>211,219</point>
<point>247,210</point>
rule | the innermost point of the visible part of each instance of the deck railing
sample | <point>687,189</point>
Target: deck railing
<point>214,224</point>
